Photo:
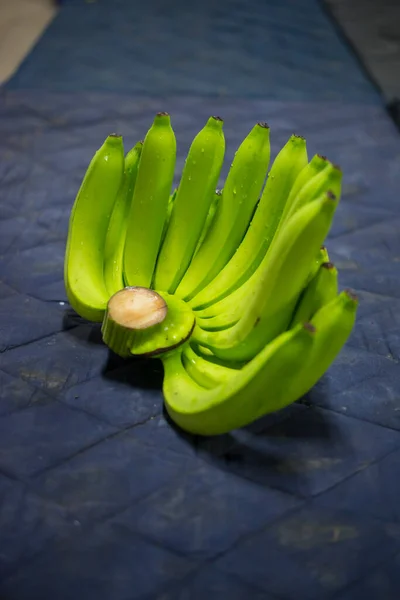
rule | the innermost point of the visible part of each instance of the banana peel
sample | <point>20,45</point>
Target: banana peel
<point>233,290</point>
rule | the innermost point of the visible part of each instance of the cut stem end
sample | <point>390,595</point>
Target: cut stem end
<point>130,311</point>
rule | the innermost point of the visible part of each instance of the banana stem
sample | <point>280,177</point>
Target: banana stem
<point>130,313</point>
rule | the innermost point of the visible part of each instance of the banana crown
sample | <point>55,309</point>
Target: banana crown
<point>233,288</point>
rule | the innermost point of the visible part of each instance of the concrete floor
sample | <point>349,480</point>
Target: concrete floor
<point>373,29</point>
<point>21,24</point>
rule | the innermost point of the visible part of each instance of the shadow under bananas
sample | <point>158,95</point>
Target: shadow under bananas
<point>142,373</point>
<point>267,450</point>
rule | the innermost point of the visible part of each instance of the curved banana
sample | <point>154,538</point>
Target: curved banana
<point>169,212</point>
<point>321,290</point>
<point>195,194</point>
<point>262,386</point>
<point>317,164</point>
<point>227,312</point>
<point>204,372</point>
<point>150,202</point>
<point>116,233</point>
<point>321,257</point>
<point>284,172</point>
<point>210,217</point>
<point>277,284</point>
<point>84,257</point>
<point>334,323</point>
<point>239,198</point>
<point>330,178</point>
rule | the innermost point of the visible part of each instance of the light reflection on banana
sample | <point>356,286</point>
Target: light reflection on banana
<point>245,312</point>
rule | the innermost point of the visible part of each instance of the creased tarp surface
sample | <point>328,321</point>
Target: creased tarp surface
<point>100,497</point>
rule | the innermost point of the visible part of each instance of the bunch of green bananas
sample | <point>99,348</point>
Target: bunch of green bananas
<point>232,289</point>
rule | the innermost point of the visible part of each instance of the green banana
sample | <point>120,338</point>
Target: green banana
<point>239,198</point>
<point>317,164</point>
<point>259,387</point>
<point>169,212</point>
<point>150,202</point>
<point>210,217</point>
<point>284,172</point>
<point>277,285</point>
<point>329,178</point>
<point>116,233</point>
<point>326,175</point>
<point>195,193</point>
<point>84,257</point>
<point>334,323</point>
<point>321,290</point>
<point>227,312</point>
<point>255,317</point>
<point>203,372</point>
<point>321,257</point>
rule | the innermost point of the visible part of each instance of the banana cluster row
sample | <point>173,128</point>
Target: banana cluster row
<point>253,315</point>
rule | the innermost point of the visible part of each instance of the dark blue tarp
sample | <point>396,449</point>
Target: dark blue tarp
<point>100,497</point>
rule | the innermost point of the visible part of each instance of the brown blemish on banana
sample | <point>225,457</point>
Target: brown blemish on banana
<point>330,195</point>
<point>327,265</point>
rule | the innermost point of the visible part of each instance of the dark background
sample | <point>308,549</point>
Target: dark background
<point>100,496</point>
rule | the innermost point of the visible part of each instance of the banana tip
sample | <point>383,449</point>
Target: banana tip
<point>351,294</point>
<point>216,118</point>
<point>328,265</point>
<point>263,124</point>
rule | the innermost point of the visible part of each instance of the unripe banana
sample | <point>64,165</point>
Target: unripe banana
<point>116,233</point>
<point>322,289</point>
<point>239,198</point>
<point>321,257</point>
<point>204,372</point>
<point>258,388</point>
<point>317,164</point>
<point>284,172</point>
<point>169,212</point>
<point>150,202</point>
<point>334,323</point>
<point>228,311</point>
<point>330,178</point>
<point>195,193</point>
<point>84,258</point>
<point>210,217</point>
<point>277,284</point>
